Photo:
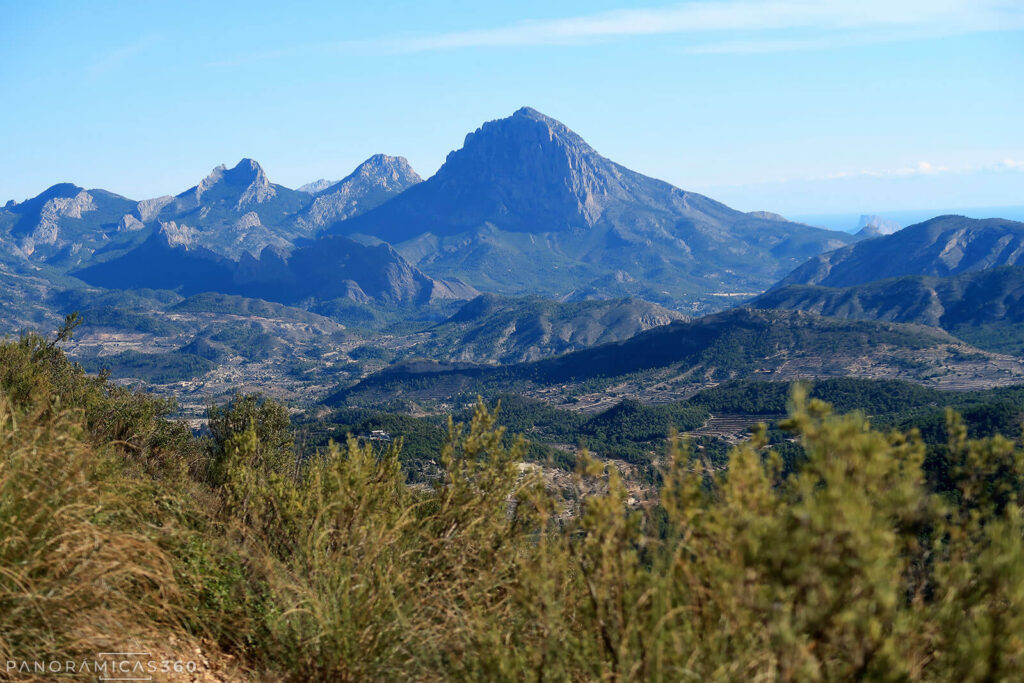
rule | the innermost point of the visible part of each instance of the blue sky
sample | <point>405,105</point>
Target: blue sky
<point>796,106</point>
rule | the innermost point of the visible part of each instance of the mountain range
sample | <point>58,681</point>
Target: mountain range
<point>526,248</point>
<point>526,206</point>
<point>229,212</point>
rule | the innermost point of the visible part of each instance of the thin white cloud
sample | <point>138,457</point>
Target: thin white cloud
<point>906,18</point>
<point>116,58</point>
<point>922,185</point>
<point>921,168</point>
<point>706,27</point>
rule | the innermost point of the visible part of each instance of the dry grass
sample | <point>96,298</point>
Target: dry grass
<point>77,572</point>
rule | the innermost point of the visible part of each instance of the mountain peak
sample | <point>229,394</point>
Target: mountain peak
<point>528,125</point>
<point>530,170</point>
<point>531,113</point>
<point>384,166</point>
<point>60,190</point>
<point>247,175</point>
<point>372,183</point>
<point>526,172</point>
<point>247,172</point>
<point>248,167</point>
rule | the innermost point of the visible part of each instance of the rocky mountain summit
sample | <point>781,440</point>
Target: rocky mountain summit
<point>229,212</point>
<point>526,202</point>
<point>237,210</point>
<point>61,221</point>
<point>373,182</point>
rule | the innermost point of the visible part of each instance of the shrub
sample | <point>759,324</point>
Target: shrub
<point>846,563</point>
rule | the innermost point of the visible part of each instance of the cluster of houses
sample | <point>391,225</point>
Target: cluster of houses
<point>377,435</point>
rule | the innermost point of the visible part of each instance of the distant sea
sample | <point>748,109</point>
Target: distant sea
<point>850,222</point>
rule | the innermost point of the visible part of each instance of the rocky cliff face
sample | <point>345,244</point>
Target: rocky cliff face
<point>234,210</point>
<point>65,222</point>
<point>942,246</point>
<point>372,183</point>
<point>244,185</point>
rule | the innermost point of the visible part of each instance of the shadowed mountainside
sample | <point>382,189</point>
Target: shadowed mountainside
<point>494,328</point>
<point>945,245</point>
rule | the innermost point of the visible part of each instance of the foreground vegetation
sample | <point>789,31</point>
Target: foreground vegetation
<point>117,525</point>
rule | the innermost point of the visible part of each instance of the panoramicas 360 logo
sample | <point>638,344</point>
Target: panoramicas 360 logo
<point>105,666</point>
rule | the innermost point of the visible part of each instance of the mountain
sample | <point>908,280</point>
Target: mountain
<point>170,258</point>
<point>233,232</point>
<point>985,308</point>
<point>875,226</point>
<point>230,212</point>
<point>527,206</point>
<point>942,246</point>
<point>337,267</point>
<point>235,210</point>
<point>505,329</point>
<point>334,267</point>
<point>373,182</point>
<point>972,298</point>
<point>63,223</point>
<point>660,364</point>
<point>316,186</point>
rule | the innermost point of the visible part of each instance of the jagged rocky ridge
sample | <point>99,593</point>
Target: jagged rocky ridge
<point>230,212</point>
<point>372,183</point>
